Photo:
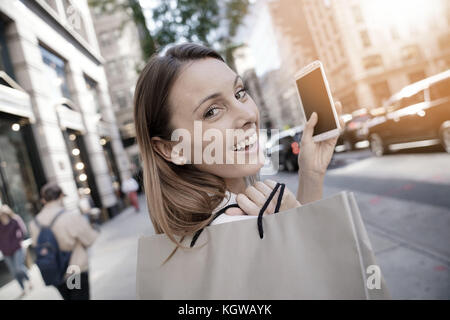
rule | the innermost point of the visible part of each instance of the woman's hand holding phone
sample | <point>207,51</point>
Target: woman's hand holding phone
<point>314,159</point>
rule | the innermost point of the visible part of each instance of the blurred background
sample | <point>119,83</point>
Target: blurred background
<point>68,71</point>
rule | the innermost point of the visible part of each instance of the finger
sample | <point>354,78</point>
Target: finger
<point>247,205</point>
<point>272,184</point>
<point>255,195</point>
<point>288,201</point>
<point>309,127</point>
<point>338,106</point>
<point>263,188</point>
<point>234,212</point>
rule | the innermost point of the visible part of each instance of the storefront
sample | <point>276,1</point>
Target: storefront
<point>21,174</point>
<point>81,167</point>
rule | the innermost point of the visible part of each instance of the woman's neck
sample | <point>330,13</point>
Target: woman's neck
<point>236,185</point>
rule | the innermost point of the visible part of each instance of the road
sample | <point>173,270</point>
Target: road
<point>404,200</point>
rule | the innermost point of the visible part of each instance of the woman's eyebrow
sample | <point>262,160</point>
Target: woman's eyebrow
<point>215,95</point>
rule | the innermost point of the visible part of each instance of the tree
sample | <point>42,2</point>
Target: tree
<point>211,22</point>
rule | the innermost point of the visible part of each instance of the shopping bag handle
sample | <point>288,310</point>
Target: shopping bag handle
<point>280,186</point>
<point>261,212</point>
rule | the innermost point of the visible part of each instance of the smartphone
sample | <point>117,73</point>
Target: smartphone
<point>315,95</point>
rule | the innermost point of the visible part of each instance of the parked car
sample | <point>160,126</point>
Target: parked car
<point>420,112</point>
<point>287,144</point>
<point>355,129</point>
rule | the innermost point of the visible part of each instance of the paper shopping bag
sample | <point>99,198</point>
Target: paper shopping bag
<point>317,251</point>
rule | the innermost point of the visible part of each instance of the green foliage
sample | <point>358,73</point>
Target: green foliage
<point>211,22</point>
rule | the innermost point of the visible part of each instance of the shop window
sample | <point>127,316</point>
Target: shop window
<point>56,73</point>
<point>81,168</point>
<point>18,183</point>
<point>372,61</point>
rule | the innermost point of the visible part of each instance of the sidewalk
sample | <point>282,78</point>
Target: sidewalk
<point>112,264</point>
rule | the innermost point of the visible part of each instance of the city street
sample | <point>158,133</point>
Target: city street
<point>404,200</point>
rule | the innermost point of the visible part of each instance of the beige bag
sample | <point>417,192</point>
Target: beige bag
<point>317,251</point>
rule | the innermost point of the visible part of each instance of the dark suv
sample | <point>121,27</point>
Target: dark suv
<point>419,113</point>
<point>287,145</point>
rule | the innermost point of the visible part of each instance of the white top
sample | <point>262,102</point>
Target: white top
<point>129,185</point>
<point>230,198</point>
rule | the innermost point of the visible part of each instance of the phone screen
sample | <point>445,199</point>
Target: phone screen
<point>314,97</point>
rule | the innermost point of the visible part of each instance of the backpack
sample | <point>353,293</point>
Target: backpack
<point>52,262</point>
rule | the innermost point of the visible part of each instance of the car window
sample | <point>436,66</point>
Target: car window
<point>440,89</point>
<point>414,99</point>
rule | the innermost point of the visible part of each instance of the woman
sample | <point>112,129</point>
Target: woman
<point>188,87</point>
<point>12,231</point>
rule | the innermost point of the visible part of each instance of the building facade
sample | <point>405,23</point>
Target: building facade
<point>56,118</point>
<point>370,49</point>
<point>263,55</point>
<point>119,43</point>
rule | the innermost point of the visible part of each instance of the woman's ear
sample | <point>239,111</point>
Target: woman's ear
<point>164,149</point>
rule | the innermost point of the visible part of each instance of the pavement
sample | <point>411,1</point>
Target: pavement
<point>404,201</point>
<point>112,261</point>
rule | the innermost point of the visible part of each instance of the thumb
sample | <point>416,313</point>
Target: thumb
<point>309,128</point>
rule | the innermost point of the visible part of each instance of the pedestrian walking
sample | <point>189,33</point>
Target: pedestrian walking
<point>88,209</point>
<point>73,235</point>
<point>12,232</point>
<point>130,187</point>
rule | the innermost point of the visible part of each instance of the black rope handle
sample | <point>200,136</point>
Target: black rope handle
<point>264,207</point>
<point>280,186</point>
<point>197,234</point>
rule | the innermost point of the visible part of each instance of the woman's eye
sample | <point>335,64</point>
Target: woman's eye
<point>241,93</point>
<point>211,112</point>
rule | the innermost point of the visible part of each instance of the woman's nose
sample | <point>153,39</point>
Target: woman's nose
<point>245,115</point>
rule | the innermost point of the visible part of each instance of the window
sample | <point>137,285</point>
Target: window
<point>121,100</point>
<point>416,76</point>
<point>365,38</point>
<point>444,42</point>
<point>372,61</point>
<point>381,92</point>
<point>56,73</point>
<point>357,14</point>
<point>394,33</point>
<point>410,53</point>
<point>104,39</point>
<point>5,62</point>
<point>440,89</point>
<point>414,99</point>
<point>92,88</point>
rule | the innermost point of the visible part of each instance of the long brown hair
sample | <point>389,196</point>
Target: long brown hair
<point>180,198</point>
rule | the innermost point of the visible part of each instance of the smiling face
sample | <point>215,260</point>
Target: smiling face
<point>209,93</point>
